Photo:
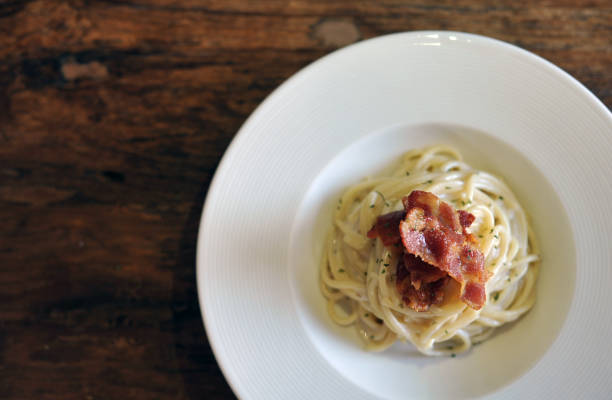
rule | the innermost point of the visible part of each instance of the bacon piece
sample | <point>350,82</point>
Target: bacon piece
<point>421,272</point>
<point>465,218</point>
<point>437,247</point>
<point>420,284</point>
<point>436,233</point>
<point>474,295</point>
<point>387,228</point>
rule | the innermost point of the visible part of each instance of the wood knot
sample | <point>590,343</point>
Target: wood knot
<point>335,32</point>
<point>92,70</point>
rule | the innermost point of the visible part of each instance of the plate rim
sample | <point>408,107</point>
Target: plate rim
<point>224,164</point>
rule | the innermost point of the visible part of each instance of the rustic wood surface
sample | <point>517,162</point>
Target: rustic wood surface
<point>113,118</point>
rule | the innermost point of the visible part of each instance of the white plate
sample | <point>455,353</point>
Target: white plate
<point>350,113</point>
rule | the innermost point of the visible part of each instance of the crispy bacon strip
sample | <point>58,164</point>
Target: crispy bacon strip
<point>436,233</point>
<point>436,248</point>
<point>420,284</point>
<point>387,228</point>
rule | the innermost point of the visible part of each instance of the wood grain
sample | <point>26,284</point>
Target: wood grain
<point>113,118</point>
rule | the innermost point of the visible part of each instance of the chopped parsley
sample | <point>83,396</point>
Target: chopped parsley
<point>446,331</point>
<point>496,296</point>
<point>383,197</point>
<point>407,173</point>
<point>453,355</point>
<point>501,197</point>
<point>371,205</point>
<point>496,236</point>
<point>429,181</point>
<point>366,315</point>
<point>480,236</point>
<point>386,265</point>
<point>447,187</point>
<point>491,230</point>
<point>366,273</point>
<point>341,270</point>
<point>383,271</point>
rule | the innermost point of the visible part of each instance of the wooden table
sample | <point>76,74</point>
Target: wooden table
<point>113,118</point>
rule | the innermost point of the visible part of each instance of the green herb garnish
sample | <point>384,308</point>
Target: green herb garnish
<point>383,197</point>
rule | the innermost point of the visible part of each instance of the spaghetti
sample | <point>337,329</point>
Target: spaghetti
<point>358,275</point>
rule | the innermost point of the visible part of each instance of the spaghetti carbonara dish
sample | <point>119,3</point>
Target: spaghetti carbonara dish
<point>435,252</point>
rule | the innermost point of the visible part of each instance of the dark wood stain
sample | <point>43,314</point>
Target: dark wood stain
<point>113,117</point>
